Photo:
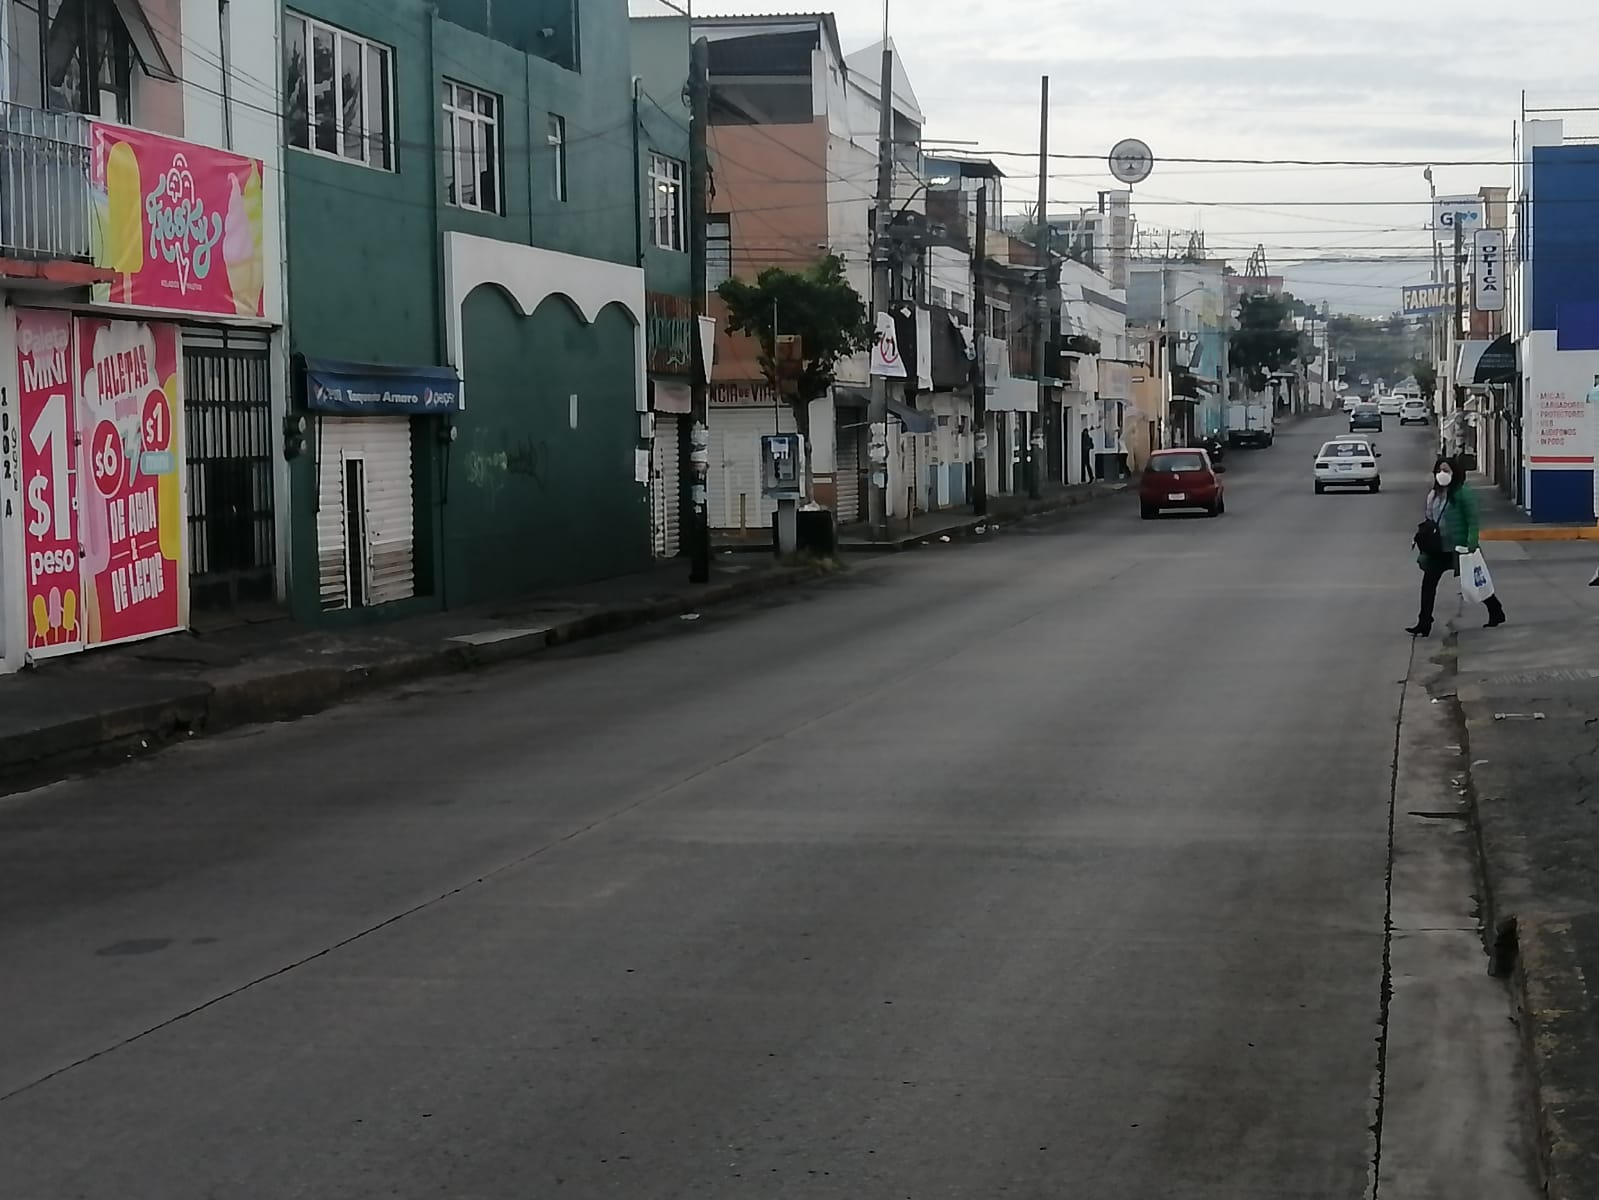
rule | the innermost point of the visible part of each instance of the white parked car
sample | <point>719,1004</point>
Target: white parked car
<point>1414,409</point>
<point>1390,404</point>
<point>1348,462</point>
<point>1350,400</point>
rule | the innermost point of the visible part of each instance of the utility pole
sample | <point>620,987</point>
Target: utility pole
<point>1454,331</point>
<point>1034,423</point>
<point>699,530</point>
<point>980,360</point>
<point>882,283</point>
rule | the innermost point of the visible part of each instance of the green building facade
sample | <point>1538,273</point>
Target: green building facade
<point>660,46</point>
<point>467,304</point>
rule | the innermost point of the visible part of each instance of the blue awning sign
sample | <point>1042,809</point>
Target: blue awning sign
<point>376,389</point>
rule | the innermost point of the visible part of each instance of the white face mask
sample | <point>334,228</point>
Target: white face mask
<point>1444,478</point>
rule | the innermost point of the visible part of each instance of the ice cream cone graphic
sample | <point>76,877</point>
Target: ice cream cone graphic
<point>124,217</point>
<point>241,244</point>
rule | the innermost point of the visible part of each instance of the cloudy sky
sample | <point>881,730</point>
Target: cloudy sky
<point>1242,79</point>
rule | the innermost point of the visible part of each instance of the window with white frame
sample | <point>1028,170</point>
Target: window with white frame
<point>937,296</point>
<point>557,140</point>
<point>338,92</point>
<point>472,148</point>
<point>667,208</point>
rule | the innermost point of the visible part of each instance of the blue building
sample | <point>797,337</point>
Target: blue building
<point>1554,309</point>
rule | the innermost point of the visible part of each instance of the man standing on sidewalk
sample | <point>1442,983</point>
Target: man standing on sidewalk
<point>1088,456</point>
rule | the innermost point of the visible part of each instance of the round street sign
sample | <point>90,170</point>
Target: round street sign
<point>1131,161</point>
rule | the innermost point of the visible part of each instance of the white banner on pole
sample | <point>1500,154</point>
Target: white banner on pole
<point>1488,271</point>
<point>886,360</point>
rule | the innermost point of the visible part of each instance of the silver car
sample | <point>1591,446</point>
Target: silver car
<point>1348,462</point>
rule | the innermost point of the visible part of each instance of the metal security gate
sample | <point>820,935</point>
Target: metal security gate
<point>365,511</point>
<point>666,487</point>
<point>849,470</point>
<point>734,479</point>
<point>227,405</point>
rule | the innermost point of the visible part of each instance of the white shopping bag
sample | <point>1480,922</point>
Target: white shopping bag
<point>1476,584</point>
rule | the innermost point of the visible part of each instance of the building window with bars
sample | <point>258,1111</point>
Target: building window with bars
<point>718,250</point>
<point>667,209</point>
<point>472,148</point>
<point>338,92</point>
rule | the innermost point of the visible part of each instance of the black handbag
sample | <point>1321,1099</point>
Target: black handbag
<point>1429,538</point>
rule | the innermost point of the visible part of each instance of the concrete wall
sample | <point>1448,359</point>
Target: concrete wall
<point>157,104</point>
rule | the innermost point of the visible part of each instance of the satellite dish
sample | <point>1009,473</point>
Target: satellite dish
<point>1131,161</point>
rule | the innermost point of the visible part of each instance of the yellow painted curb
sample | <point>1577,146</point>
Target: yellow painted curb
<point>1543,533</point>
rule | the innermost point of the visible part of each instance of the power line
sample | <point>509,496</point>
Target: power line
<point>1396,163</point>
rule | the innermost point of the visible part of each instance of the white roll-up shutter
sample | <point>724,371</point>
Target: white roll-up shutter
<point>666,491</point>
<point>734,483</point>
<point>332,578</point>
<point>383,445</point>
<point>849,473</point>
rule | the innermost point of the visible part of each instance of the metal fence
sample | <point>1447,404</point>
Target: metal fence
<point>228,420</point>
<point>45,207</point>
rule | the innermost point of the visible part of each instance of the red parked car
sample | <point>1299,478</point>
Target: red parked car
<point>1181,479</point>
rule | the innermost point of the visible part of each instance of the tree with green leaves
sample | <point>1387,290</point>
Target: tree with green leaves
<point>1426,377</point>
<point>805,323</point>
<point>1265,342</point>
<point>1376,348</point>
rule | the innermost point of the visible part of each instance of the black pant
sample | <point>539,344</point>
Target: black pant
<point>1088,467</point>
<point>1430,575</point>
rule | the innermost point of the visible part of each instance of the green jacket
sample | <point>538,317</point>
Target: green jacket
<point>1460,526</point>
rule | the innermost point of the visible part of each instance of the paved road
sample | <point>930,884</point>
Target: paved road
<point>1053,866</point>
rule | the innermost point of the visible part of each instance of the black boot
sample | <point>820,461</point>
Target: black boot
<point>1420,629</point>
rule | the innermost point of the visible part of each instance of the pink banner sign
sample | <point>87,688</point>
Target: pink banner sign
<point>54,584</point>
<point>180,224</point>
<point>129,486</point>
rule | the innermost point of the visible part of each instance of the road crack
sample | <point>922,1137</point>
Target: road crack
<point>1385,1006</point>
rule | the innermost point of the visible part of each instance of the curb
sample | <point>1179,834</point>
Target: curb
<point>207,709</point>
<point>1542,533</point>
<point>968,528</point>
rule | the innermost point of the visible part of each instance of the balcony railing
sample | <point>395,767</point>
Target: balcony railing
<point>44,184</point>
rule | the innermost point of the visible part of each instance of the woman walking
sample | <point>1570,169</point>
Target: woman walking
<point>1448,530</point>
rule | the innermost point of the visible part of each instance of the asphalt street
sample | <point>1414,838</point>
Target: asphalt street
<point>1050,866</point>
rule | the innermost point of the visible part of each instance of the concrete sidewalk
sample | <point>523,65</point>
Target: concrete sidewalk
<point>129,698</point>
<point>1527,696</point>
